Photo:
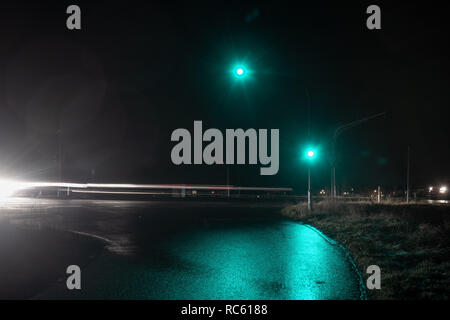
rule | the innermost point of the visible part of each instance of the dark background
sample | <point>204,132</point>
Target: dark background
<point>137,71</point>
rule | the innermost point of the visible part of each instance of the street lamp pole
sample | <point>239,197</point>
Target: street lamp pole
<point>333,168</point>
<point>59,133</point>
<point>407,178</point>
<point>336,134</point>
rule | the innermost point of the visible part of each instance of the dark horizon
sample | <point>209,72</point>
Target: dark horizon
<point>118,88</point>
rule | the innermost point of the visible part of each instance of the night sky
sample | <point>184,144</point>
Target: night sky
<point>135,72</point>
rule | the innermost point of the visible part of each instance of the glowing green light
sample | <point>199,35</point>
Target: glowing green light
<point>310,153</point>
<point>240,71</point>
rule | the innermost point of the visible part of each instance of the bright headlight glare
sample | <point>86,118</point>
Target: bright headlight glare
<point>8,188</point>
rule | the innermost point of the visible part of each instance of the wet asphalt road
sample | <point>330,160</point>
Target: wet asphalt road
<point>180,250</point>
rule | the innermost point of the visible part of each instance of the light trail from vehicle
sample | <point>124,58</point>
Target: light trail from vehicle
<point>9,187</point>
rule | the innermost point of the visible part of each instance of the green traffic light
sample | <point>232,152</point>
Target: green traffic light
<point>309,153</point>
<point>240,71</point>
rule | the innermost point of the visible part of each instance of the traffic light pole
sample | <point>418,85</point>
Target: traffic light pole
<point>309,189</point>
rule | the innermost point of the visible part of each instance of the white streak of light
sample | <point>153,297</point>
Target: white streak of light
<point>9,187</point>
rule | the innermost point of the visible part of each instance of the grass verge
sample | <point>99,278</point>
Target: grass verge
<point>410,243</point>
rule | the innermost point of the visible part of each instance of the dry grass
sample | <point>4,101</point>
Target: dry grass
<point>410,243</point>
